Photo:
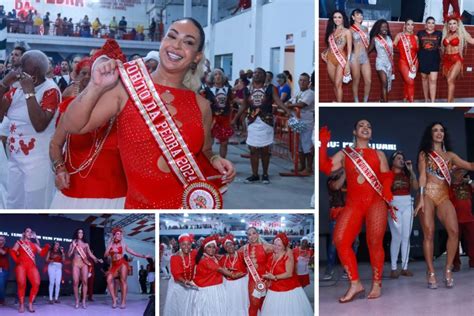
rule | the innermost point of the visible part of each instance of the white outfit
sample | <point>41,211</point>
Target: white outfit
<point>401,230</point>
<point>307,117</point>
<point>3,165</point>
<point>150,278</point>
<point>210,301</point>
<point>165,261</point>
<point>55,272</point>
<point>237,292</point>
<point>434,8</point>
<point>259,133</point>
<point>287,303</point>
<point>61,201</point>
<point>30,178</point>
<point>179,300</point>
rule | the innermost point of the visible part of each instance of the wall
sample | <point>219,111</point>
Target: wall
<point>463,85</point>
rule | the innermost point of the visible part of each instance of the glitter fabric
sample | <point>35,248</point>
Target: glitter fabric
<point>362,203</point>
<point>148,185</point>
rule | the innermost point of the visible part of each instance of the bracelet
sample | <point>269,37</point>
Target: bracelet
<point>422,190</point>
<point>214,157</point>
<point>58,165</point>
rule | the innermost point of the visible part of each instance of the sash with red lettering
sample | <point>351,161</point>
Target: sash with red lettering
<point>442,165</point>
<point>339,56</point>
<point>385,45</point>
<point>362,34</point>
<point>198,193</point>
<point>26,247</point>
<point>261,288</point>
<point>407,48</point>
<point>83,255</point>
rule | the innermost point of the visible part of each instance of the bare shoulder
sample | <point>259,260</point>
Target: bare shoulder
<point>204,105</point>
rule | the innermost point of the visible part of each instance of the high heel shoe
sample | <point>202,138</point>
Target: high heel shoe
<point>357,295</point>
<point>431,285</point>
<point>449,281</point>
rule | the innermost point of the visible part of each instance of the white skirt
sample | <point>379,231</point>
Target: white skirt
<point>259,134</point>
<point>60,201</point>
<point>237,293</point>
<point>210,301</point>
<point>178,300</point>
<point>289,303</point>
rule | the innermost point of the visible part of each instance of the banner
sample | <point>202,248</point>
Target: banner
<point>3,40</point>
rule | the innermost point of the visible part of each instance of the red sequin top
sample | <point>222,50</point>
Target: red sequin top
<point>150,185</point>
<point>413,44</point>
<point>277,267</point>
<point>105,178</point>
<point>401,184</point>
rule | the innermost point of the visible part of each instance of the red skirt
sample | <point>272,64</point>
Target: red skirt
<point>449,60</point>
<point>117,264</point>
<point>304,279</point>
<point>222,130</point>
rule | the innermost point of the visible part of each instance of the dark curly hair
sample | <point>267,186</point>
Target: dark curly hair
<point>331,26</point>
<point>76,235</point>
<point>376,28</point>
<point>354,12</point>
<point>426,144</point>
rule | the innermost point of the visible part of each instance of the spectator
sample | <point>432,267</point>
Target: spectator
<point>37,23</point>
<point>122,29</point>
<point>15,57</point>
<point>249,74</point>
<point>112,28</point>
<point>269,78</point>
<point>29,22</point>
<point>63,79</point>
<point>46,23</point>
<point>2,11</point>
<point>142,276</point>
<point>58,24</point>
<point>85,26</point>
<point>50,73</point>
<point>96,25</point>
<point>140,36</point>
<point>284,90</point>
<point>152,60</point>
<point>242,5</point>
<point>152,29</point>
<point>289,78</point>
<point>70,27</point>
<point>75,61</point>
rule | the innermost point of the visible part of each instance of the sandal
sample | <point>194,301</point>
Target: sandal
<point>433,284</point>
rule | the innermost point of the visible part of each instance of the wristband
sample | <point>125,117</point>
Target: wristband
<point>422,190</point>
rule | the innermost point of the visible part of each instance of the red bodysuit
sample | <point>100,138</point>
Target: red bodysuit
<point>182,267</point>
<point>277,267</point>
<point>151,183</point>
<point>116,264</point>
<point>362,203</point>
<point>26,269</point>
<point>259,257</point>
<point>404,66</point>
<point>105,178</point>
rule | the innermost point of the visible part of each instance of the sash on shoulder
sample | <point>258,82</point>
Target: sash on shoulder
<point>339,56</point>
<point>28,250</point>
<point>199,192</point>
<point>362,34</point>
<point>385,45</point>
<point>407,48</point>
<point>441,163</point>
<point>83,255</point>
<point>253,271</point>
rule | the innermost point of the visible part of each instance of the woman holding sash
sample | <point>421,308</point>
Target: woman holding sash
<point>80,251</point>
<point>256,254</point>
<point>360,64</point>
<point>369,183</point>
<point>211,297</point>
<point>285,295</point>
<point>381,41</point>
<point>23,253</point>
<point>339,42</point>
<point>435,162</point>
<point>407,44</point>
<point>455,40</point>
<point>116,250</point>
<point>163,126</point>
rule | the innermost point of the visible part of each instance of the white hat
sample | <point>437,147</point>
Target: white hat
<point>152,55</point>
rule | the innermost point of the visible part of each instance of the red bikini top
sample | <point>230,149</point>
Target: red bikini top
<point>119,251</point>
<point>454,42</point>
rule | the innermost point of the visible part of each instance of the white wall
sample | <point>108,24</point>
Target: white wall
<point>279,18</point>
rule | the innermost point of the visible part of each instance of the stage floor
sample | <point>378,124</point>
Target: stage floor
<point>309,290</point>
<point>102,305</point>
<point>405,295</point>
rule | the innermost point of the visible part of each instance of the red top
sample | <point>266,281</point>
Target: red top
<point>413,47</point>
<point>105,178</point>
<point>4,264</point>
<point>183,266</point>
<point>277,267</point>
<point>401,184</point>
<point>234,263</point>
<point>258,253</point>
<point>206,272</point>
<point>461,196</point>
<point>150,186</point>
<point>56,256</point>
<point>454,42</point>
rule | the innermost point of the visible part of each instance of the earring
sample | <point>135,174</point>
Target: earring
<point>444,148</point>
<point>193,66</point>
<point>354,142</point>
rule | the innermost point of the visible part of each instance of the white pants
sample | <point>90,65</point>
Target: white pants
<point>401,230</point>
<point>55,272</point>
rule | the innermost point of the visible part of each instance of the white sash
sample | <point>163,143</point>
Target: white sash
<point>253,272</point>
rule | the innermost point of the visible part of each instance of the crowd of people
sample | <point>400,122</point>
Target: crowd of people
<point>217,276</point>
<point>367,188</point>
<point>24,254</point>
<point>66,121</point>
<point>32,22</point>
<point>426,52</point>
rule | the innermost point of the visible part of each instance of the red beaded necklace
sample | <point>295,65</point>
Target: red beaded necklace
<point>187,267</point>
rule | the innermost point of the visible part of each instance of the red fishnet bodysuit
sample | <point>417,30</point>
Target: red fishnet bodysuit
<point>362,203</point>
<point>259,256</point>
<point>26,269</point>
<point>409,83</point>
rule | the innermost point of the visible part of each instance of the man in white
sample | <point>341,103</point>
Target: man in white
<point>30,107</point>
<point>304,100</point>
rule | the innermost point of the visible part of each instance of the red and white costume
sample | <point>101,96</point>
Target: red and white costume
<point>30,179</point>
<point>302,260</point>
<point>3,165</point>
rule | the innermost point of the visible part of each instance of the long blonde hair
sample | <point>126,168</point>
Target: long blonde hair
<point>192,79</point>
<point>461,33</point>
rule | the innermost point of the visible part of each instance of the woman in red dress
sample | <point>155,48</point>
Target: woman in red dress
<point>285,295</point>
<point>407,44</point>
<point>303,256</point>
<point>155,179</point>
<point>89,161</point>
<point>455,40</point>
<point>363,203</point>
<point>116,250</point>
<point>23,253</point>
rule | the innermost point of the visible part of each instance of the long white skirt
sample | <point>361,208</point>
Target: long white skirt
<point>210,301</point>
<point>178,300</point>
<point>237,293</point>
<point>259,134</point>
<point>289,303</point>
<point>60,201</point>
